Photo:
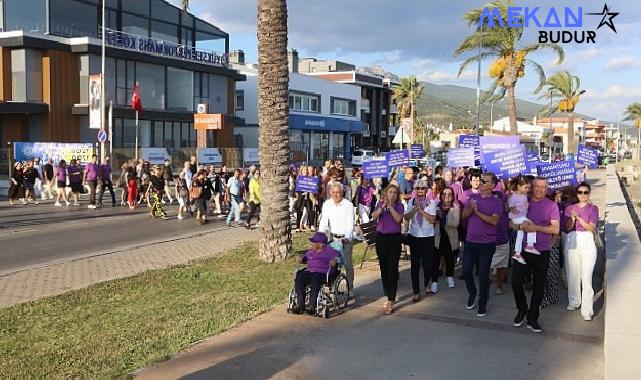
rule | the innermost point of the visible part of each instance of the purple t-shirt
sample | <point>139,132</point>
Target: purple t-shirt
<point>541,213</point>
<point>92,171</point>
<point>105,171</point>
<point>465,196</point>
<point>589,213</point>
<point>386,223</point>
<point>61,174</point>
<point>318,262</point>
<point>457,188</point>
<point>478,231</point>
<point>365,195</point>
<point>503,229</point>
<point>73,169</point>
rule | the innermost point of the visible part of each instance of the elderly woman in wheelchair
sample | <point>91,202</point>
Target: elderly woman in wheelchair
<point>321,285</point>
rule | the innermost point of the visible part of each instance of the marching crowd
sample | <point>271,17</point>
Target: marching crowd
<point>445,216</point>
<point>199,190</point>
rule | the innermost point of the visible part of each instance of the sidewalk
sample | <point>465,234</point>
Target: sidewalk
<point>32,284</point>
<point>436,338</point>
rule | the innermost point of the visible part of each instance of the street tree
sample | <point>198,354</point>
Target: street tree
<point>633,112</point>
<point>564,87</point>
<point>503,46</point>
<point>406,94</point>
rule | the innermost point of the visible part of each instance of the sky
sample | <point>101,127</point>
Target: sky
<point>417,37</point>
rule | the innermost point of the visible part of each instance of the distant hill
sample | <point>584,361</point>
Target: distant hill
<point>444,104</point>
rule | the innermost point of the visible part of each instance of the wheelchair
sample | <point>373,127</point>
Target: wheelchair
<point>332,296</point>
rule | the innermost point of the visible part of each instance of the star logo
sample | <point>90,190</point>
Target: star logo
<point>607,17</point>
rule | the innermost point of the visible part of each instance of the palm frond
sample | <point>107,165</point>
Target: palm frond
<point>540,73</point>
<point>473,59</point>
<point>554,47</point>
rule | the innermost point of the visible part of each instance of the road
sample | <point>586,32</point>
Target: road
<point>37,235</point>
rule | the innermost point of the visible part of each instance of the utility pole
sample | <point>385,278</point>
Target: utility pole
<point>102,84</point>
<point>551,129</point>
<point>478,84</point>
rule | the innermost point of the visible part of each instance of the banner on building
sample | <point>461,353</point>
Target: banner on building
<point>458,158</point>
<point>506,163</point>
<point>307,184</point>
<point>375,169</point>
<point>588,156</point>
<point>250,156</point>
<point>94,101</point>
<point>559,174</point>
<point>23,151</point>
<point>208,156</point>
<point>398,158</point>
<point>155,156</point>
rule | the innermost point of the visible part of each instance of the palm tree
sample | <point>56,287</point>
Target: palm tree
<point>509,59</point>
<point>406,93</point>
<point>566,88</point>
<point>273,118</point>
<point>633,112</point>
<point>184,4</point>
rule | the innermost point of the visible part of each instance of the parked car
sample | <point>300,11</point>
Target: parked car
<point>627,155</point>
<point>361,155</point>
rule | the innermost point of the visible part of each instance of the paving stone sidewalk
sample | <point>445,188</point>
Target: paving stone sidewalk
<point>32,284</point>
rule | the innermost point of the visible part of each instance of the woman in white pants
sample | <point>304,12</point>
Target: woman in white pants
<point>581,251</point>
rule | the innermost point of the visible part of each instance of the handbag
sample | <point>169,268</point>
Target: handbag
<point>195,192</point>
<point>598,242</point>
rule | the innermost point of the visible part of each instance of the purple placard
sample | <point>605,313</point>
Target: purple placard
<point>497,143</point>
<point>532,160</point>
<point>559,174</point>
<point>398,158</point>
<point>307,184</point>
<point>471,141</point>
<point>588,156</point>
<point>506,163</point>
<point>417,151</point>
<point>375,169</point>
<point>458,158</point>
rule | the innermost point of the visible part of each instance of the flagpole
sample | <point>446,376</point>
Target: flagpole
<point>111,134</point>
<point>136,154</point>
<point>102,84</point>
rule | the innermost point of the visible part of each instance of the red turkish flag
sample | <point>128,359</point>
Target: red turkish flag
<point>136,103</point>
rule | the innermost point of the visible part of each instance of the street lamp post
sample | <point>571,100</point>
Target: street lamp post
<point>478,84</point>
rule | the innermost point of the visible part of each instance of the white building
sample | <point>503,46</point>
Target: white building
<point>523,128</point>
<point>323,114</point>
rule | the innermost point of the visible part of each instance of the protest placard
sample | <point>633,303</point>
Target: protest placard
<point>471,141</point>
<point>417,151</point>
<point>458,158</point>
<point>397,158</point>
<point>375,169</point>
<point>506,163</point>
<point>559,174</point>
<point>588,156</point>
<point>491,144</point>
<point>532,160</point>
<point>307,184</point>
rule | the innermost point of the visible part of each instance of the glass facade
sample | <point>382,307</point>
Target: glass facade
<point>26,75</point>
<point>151,82</point>
<point>27,15</point>
<point>180,87</point>
<point>154,134</point>
<point>65,20</point>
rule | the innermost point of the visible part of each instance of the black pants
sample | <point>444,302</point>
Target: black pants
<point>539,266</point>
<point>388,251</point>
<point>479,255</point>
<point>108,184</point>
<point>304,278</point>
<point>92,191</point>
<point>422,253</point>
<point>445,250</point>
<point>311,211</point>
<point>252,210</point>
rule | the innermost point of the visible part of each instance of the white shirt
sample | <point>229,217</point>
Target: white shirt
<point>337,219</point>
<point>425,229</point>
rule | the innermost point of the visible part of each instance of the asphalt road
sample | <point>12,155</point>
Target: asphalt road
<point>37,235</point>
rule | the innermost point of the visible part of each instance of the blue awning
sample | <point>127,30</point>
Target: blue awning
<point>324,123</point>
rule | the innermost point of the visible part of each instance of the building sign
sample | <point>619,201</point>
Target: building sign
<point>250,156</point>
<point>155,156</point>
<point>209,156</point>
<point>23,151</point>
<point>208,121</point>
<point>324,123</point>
<point>162,48</point>
<point>94,101</point>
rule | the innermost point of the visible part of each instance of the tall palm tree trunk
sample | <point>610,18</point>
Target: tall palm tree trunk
<point>511,110</point>
<point>273,113</point>
<point>571,147</point>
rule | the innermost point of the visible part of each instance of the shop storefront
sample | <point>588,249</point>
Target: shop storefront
<point>321,138</point>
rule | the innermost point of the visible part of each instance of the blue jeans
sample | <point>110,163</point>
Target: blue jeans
<point>480,254</point>
<point>234,211</point>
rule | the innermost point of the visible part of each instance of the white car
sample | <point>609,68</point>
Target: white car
<point>361,155</point>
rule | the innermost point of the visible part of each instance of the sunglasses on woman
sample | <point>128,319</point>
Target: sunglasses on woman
<point>420,188</point>
<point>583,192</point>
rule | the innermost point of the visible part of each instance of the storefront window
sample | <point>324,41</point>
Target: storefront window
<point>27,15</point>
<point>217,93</point>
<point>26,75</point>
<point>151,82</point>
<point>168,135</point>
<point>320,146</point>
<point>176,135</point>
<point>180,85</point>
<point>65,20</point>
<point>164,31</point>
<point>135,25</point>
<point>192,134</point>
<point>338,144</point>
<point>158,131</point>
<point>187,36</point>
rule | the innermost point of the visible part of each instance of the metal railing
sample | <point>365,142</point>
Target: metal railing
<point>232,157</point>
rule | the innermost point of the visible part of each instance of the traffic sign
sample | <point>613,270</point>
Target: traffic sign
<point>102,136</point>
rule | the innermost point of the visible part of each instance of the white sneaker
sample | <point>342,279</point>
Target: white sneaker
<point>58,204</point>
<point>434,287</point>
<point>180,217</point>
<point>68,203</point>
<point>587,318</point>
<point>571,308</point>
<point>450,282</point>
<point>91,206</point>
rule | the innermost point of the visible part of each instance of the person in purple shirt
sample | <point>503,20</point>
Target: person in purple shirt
<point>502,253</point>
<point>105,181</point>
<point>389,214</point>
<point>582,220</point>
<point>364,195</point>
<point>61,183</point>
<point>544,217</point>
<point>75,180</point>
<point>483,212</point>
<point>91,178</point>
<point>320,258</point>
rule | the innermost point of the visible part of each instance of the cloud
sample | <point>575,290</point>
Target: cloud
<point>589,53</point>
<point>440,76</point>
<point>622,63</point>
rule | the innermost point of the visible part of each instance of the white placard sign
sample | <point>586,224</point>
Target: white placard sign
<point>209,156</point>
<point>155,156</point>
